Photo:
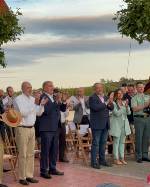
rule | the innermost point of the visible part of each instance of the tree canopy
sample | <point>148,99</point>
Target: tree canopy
<point>10,28</point>
<point>134,20</point>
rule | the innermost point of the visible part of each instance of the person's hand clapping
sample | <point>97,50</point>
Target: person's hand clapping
<point>43,101</point>
<point>111,98</point>
<point>126,102</point>
<point>64,98</point>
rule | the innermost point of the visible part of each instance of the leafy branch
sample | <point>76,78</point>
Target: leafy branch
<point>134,20</point>
<point>10,30</point>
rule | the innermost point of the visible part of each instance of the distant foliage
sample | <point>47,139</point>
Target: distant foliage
<point>108,85</point>
<point>134,20</point>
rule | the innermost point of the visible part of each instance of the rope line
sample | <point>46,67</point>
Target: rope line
<point>128,64</point>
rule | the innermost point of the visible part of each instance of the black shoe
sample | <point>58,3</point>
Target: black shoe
<point>64,160</point>
<point>96,166</point>
<point>24,182</point>
<point>56,172</point>
<point>32,180</point>
<point>46,175</point>
<point>3,185</point>
<point>139,160</point>
<point>146,159</point>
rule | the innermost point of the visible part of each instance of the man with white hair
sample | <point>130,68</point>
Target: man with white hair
<point>25,133</point>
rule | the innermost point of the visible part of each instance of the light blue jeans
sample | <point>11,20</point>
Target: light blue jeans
<point>118,146</point>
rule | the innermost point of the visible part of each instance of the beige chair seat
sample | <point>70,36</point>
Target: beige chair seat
<point>7,157</point>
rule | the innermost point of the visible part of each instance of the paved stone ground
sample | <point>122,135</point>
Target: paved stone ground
<point>77,175</point>
<point>133,169</point>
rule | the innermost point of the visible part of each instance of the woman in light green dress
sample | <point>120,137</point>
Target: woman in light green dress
<point>119,127</point>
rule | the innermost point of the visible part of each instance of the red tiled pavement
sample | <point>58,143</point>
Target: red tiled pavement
<point>76,176</point>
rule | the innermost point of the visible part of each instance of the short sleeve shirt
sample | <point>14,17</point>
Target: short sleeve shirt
<point>139,99</point>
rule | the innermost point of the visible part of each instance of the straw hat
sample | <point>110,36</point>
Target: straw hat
<point>12,118</point>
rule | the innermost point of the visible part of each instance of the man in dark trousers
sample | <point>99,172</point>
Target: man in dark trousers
<point>99,120</point>
<point>48,127</point>
<point>62,97</point>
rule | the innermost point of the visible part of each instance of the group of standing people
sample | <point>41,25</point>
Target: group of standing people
<point>47,110</point>
<point>118,114</point>
<point>44,115</point>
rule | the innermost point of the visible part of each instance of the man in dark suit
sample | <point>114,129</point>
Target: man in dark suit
<point>48,127</point>
<point>2,134</point>
<point>99,120</point>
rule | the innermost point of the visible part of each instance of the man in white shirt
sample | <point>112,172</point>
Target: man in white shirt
<point>25,133</point>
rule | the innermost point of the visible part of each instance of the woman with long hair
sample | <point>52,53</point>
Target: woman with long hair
<point>119,127</point>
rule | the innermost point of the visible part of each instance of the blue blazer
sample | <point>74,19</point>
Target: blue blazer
<point>50,118</point>
<point>99,113</point>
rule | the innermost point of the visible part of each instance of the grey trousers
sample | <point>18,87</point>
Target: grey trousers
<point>142,136</point>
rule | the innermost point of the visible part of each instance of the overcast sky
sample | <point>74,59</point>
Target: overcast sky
<point>71,42</point>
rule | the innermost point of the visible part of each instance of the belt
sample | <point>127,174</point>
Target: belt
<point>141,116</point>
<point>26,126</point>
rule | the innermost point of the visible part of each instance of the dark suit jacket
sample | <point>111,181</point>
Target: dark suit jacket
<point>50,118</point>
<point>99,113</point>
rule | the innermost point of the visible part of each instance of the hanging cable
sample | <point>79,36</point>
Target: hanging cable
<point>128,65</point>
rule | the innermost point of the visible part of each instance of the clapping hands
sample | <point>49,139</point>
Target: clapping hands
<point>126,102</point>
<point>111,98</point>
<point>43,101</point>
